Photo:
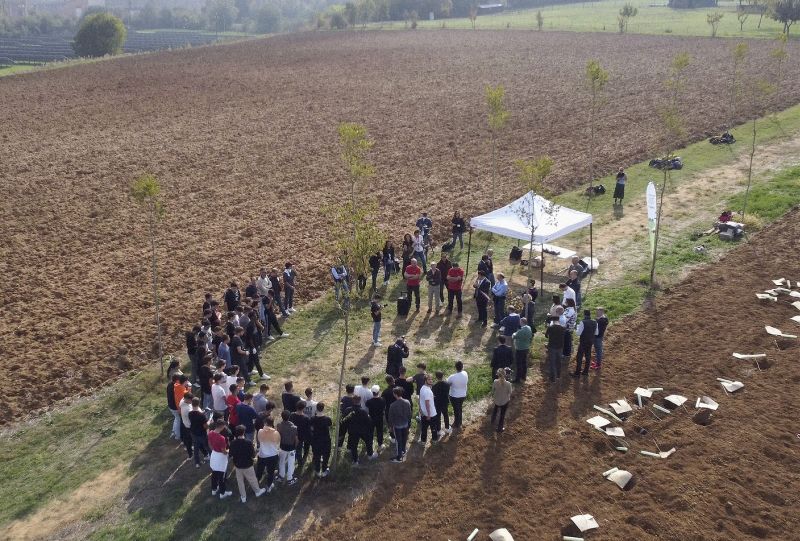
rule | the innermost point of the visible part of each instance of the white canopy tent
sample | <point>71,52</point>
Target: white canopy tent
<point>550,221</point>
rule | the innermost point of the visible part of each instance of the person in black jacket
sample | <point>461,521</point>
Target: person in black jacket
<point>587,331</point>
<point>345,405</point>
<point>441,401</point>
<point>502,356</point>
<point>191,351</point>
<point>242,454</point>
<point>458,229</point>
<point>375,267</point>
<point>359,428</point>
<point>395,355</point>
<point>303,425</point>
<point>376,406</point>
<point>321,440</point>
<point>388,398</point>
<point>288,398</point>
<point>482,289</point>
<point>555,345</point>
<point>232,297</point>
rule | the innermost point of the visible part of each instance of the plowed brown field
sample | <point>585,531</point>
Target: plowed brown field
<point>735,478</point>
<point>243,139</point>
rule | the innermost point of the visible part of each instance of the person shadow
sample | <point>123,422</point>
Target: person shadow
<point>619,210</point>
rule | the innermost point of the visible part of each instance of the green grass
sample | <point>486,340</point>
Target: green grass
<point>17,68</point>
<point>771,200</point>
<point>602,17</point>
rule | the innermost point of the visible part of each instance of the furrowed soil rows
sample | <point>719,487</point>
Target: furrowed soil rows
<point>243,139</point>
<point>734,478</point>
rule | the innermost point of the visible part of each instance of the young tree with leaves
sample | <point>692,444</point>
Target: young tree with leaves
<point>713,20</point>
<point>739,54</point>
<point>498,118</point>
<point>539,20</point>
<point>786,12</point>
<point>147,193</point>
<point>758,93</point>
<point>473,14</point>
<point>531,175</point>
<point>674,132</point>
<point>356,234</point>
<point>596,79</point>
<point>742,16</point>
<point>626,13</point>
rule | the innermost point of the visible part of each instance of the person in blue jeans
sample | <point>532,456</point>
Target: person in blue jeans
<point>375,311</point>
<point>602,323</point>
<point>458,229</point>
<point>399,420</point>
<point>198,426</point>
<point>418,243</point>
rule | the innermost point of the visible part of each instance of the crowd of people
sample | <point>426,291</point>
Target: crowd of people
<point>220,418</point>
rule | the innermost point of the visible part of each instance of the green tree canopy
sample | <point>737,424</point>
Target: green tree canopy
<point>99,35</point>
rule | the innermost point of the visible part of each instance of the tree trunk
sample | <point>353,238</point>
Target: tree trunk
<point>155,285</point>
<point>494,170</point>
<point>591,139</point>
<point>658,229</point>
<point>341,381</point>
<point>750,169</point>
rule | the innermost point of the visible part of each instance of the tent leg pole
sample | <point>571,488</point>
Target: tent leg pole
<point>591,245</point>
<point>469,249</point>
<point>541,276</point>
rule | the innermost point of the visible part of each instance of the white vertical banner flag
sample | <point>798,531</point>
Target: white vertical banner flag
<point>651,215</point>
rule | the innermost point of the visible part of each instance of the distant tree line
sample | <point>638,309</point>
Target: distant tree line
<point>39,24</point>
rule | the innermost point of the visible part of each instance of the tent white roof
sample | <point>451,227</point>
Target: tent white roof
<point>513,220</point>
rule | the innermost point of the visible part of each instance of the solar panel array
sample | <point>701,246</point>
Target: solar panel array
<point>41,49</point>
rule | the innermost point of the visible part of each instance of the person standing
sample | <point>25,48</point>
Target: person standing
<point>441,400</point>
<point>434,279</point>
<point>490,266</point>
<point>419,250</point>
<point>253,338</point>
<point>185,408</point>
<point>566,293</point>
<point>555,346</point>
<point>269,441</point>
<point>602,324</point>
<point>272,320</point>
<point>499,292</point>
<point>482,289</point>
<point>375,267</point>
<point>263,283</point>
<point>522,346</point>
<point>303,424</point>
<point>376,407</point>
<point>587,331</point>
<point>218,395</point>
<point>502,356</point>
<point>246,415</point>
<point>251,290</point>
<point>574,282</point>
<point>399,419</point>
<point>455,282</point>
<point>501,394</point>
<point>173,407</point>
<point>224,350</point>
<point>458,392</point>
<point>232,297</point>
<point>340,279</point>
<point>359,428</point>
<point>413,274</point>
<point>388,260</point>
<point>458,229</point>
<point>289,398</point>
<point>363,391</point>
<point>289,285</point>
<point>191,351</point>
<point>219,460</point>
<point>425,225</point>
<point>395,355</point>
<point>529,301</point>
<point>375,312</point>
<point>260,400</point>
<point>571,316</point>
<point>242,454</point>
<point>428,413</point>
<point>286,451</point>
<point>239,355</point>
<point>511,323</point>
<point>198,426</point>
<point>321,440</point>
<point>205,379</point>
<point>407,251</point>
<point>619,188</point>
<point>444,267</point>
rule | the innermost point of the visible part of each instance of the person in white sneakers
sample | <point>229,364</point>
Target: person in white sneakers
<point>269,441</point>
<point>242,453</point>
<point>288,446</point>
<point>427,412</point>
<point>219,460</point>
<point>289,277</point>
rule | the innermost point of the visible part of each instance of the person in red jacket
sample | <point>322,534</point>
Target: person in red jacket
<point>413,274</point>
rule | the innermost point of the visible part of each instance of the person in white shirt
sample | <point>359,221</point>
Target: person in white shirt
<point>427,412</point>
<point>567,293</point>
<point>263,284</point>
<point>218,395</point>
<point>419,250</point>
<point>458,392</point>
<point>339,275</point>
<point>364,392</point>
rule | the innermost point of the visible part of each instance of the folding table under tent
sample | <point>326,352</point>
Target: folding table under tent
<point>551,221</point>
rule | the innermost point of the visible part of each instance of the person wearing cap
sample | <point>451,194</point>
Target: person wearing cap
<point>587,331</point>
<point>376,406</point>
<point>399,419</point>
<point>289,281</point>
<point>602,324</point>
<point>482,289</point>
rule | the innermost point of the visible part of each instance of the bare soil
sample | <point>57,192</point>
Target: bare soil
<point>733,478</point>
<point>243,139</point>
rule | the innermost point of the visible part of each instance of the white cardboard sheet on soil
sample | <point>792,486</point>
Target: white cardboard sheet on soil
<point>707,403</point>
<point>676,399</point>
<point>646,393</point>
<point>620,477</point>
<point>585,522</point>
<point>501,534</point>
<point>730,385</point>
<point>621,406</point>
<point>615,431</point>
<point>598,422</point>
<point>777,332</point>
